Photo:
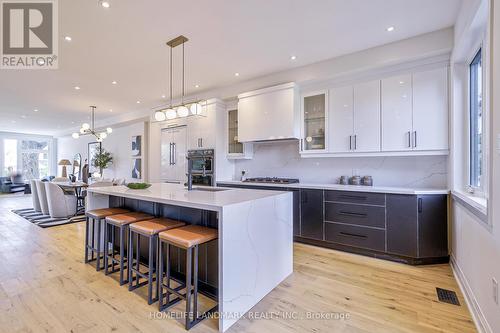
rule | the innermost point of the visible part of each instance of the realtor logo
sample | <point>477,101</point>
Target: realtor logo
<point>29,34</point>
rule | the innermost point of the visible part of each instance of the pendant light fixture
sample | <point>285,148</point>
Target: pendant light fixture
<point>183,109</point>
<point>89,129</point>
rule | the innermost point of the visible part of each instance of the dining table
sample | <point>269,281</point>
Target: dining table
<point>77,188</point>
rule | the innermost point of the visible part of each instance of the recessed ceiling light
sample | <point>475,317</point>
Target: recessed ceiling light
<point>196,85</point>
<point>104,4</point>
<point>77,88</point>
<point>401,82</point>
<point>23,116</point>
<point>389,29</point>
<point>293,57</point>
<point>236,74</point>
<point>35,110</point>
<point>163,96</point>
<point>138,102</point>
<point>110,110</point>
<point>114,82</point>
<point>68,38</point>
<point>72,122</point>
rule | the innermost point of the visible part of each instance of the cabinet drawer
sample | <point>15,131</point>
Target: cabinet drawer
<point>370,216</point>
<point>355,236</point>
<point>356,197</point>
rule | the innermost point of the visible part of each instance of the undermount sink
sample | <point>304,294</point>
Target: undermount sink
<point>210,189</point>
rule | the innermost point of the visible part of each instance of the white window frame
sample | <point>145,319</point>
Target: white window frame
<point>482,190</point>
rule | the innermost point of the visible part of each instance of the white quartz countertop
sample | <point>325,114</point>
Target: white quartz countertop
<point>178,195</point>
<point>338,187</point>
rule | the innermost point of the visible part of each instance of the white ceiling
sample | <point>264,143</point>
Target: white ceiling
<point>126,43</point>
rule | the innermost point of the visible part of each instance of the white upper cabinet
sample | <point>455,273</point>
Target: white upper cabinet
<point>355,118</point>
<point>397,122</point>
<point>341,119</point>
<point>430,110</point>
<point>201,133</point>
<point>366,133</point>
<point>269,114</point>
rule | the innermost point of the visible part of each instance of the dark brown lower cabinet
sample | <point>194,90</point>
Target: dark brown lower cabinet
<point>402,225</point>
<point>399,227</point>
<point>417,226</point>
<point>311,214</point>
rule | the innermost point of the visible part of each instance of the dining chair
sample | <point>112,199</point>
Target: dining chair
<point>42,197</point>
<point>60,204</point>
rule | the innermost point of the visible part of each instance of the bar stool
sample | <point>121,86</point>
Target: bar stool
<point>97,215</point>
<point>188,238</point>
<point>122,222</point>
<point>150,230</point>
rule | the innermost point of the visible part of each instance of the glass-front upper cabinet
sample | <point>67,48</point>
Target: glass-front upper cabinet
<point>314,116</point>
<point>235,147</point>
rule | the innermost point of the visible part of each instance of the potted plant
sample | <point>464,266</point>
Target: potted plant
<point>102,160</point>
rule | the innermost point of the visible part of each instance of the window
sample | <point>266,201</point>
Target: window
<point>476,161</point>
<point>10,156</point>
<point>29,156</point>
<point>35,158</point>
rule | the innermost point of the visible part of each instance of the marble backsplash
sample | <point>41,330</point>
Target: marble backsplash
<point>282,159</point>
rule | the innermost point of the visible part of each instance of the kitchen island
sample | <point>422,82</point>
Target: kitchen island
<point>254,251</point>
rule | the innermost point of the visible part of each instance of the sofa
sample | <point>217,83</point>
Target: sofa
<point>8,186</point>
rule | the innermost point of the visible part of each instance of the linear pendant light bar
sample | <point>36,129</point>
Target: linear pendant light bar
<point>183,109</point>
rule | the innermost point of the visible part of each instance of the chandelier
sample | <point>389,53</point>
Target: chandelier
<point>89,129</point>
<point>182,110</point>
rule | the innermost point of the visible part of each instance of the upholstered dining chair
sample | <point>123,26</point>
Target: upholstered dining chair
<point>60,204</point>
<point>42,197</point>
<point>34,196</point>
<point>60,179</point>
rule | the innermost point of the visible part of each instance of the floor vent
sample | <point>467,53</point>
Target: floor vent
<point>447,296</point>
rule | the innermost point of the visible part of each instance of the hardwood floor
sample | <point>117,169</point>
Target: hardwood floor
<point>46,287</point>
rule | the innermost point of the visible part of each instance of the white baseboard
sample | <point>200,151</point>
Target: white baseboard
<point>477,315</point>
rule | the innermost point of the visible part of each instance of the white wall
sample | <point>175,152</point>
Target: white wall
<point>475,245</point>
<point>118,143</point>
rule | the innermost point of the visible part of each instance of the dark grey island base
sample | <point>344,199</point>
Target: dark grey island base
<point>411,229</point>
<point>208,255</point>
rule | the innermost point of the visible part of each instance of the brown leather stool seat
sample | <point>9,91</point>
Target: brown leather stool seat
<point>127,218</point>
<point>150,230</point>
<point>189,238</point>
<point>155,226</point>
<point>105,212</point>
<point>97,215</point>
<point>122,222</point>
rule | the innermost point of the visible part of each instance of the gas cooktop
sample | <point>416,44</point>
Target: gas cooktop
<point>273,180</point>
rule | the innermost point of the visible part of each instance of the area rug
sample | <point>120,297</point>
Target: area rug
<point>45,221</point>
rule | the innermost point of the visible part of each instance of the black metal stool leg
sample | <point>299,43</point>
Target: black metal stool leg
<point>122,255</point>
<point>87,239</point>
<point>112,230</point>
<point>130,259</point>
<point>137,259</point>
<point>189,264</point>
<point>98,265</point>
<point>168,272</point>
<point>150,270</point>
<point>106,247</point>
<point>159,276</point>
<point>195,282</point>
<point>93,240</point>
